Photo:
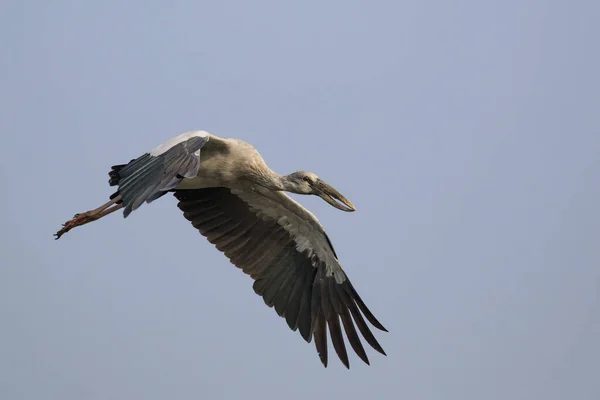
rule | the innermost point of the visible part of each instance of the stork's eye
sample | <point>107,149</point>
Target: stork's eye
<point>306,179</point>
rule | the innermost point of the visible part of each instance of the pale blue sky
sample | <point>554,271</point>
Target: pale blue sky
<point>465,132</point>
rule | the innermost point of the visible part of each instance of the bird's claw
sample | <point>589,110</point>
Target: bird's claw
<point>77,220</point>
<point>66,228</point>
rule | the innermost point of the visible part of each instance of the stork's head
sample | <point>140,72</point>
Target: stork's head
<point>302,182</point>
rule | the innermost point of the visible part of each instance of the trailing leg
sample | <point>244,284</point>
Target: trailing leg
<point>89,216</point>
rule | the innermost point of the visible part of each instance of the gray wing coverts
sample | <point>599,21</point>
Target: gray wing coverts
<point>292,282</point>
<point>148,177</point>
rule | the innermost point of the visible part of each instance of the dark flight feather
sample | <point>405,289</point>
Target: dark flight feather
<point>292,281</point>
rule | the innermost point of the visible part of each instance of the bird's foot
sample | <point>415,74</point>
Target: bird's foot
<point>90,216</point>
<point>77,220</point>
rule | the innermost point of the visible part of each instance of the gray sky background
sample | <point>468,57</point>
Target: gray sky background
<point>465,132</point>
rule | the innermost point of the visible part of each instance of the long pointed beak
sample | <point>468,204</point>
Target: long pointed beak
<point>330,195</point>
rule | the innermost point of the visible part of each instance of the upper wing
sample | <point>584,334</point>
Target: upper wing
<point>153,174</point>
<point>286,251</point>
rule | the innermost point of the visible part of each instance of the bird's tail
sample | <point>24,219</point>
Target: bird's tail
<point>114,176</point>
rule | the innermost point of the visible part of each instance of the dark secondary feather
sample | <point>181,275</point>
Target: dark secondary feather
<point>149,177</point>
<point>310,301</point>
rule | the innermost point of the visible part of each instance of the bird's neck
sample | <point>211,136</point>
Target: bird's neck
<point>269,179</point>
<point>276,182</point>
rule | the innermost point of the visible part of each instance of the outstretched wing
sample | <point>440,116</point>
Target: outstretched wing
<point>153,174</point>
<point>285,250</point>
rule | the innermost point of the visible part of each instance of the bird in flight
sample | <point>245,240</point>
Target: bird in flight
<point>228,193</point>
